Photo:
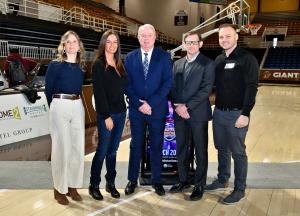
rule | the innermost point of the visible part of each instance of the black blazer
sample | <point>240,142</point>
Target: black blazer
<point>195,91</point>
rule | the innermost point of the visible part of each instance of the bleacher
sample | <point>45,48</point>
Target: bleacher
<point>289,19</point>
<point>38,38</point>
<point>283,58</point>
<point>32,28</point>
<point>28,31</point>
<point>93,9</point>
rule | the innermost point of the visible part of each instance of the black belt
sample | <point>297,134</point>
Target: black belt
<point>66,96</point>
<point>227,108</point>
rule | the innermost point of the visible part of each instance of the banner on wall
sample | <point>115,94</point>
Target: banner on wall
<point>181,18</point>
<point>22,120</point>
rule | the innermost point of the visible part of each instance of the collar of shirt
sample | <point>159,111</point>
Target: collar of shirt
<point>235,52</point>
<point>149,54</point>
<point>193,59</point>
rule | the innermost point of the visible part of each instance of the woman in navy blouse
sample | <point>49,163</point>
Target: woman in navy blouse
<point>64,79</point>
<point>109,82</point>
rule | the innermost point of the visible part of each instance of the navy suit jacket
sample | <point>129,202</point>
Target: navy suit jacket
<point>195,91</point>
<point>157,85</point>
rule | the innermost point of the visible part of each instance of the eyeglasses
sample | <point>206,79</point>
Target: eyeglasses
<point>189,43</point>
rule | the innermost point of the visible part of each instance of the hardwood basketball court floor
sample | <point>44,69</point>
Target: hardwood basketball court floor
<point>273,137</point>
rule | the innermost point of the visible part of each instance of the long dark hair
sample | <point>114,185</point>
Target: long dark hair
<point>101,51</point>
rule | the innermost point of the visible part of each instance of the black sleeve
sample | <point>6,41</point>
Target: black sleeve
<point>251,80</point>
<point>51,77</point>
<point>101,102</point>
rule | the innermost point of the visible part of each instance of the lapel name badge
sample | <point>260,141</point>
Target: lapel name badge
<point>229,66</point>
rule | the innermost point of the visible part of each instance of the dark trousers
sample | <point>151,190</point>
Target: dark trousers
<point>199,136</point>
<point>108,145</point>
<point>138,123</point>
<point>230,141</point>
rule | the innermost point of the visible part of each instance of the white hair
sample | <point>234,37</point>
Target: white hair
<point>149,26</point>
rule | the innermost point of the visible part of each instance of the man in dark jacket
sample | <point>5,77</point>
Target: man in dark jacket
<point>192,85</point>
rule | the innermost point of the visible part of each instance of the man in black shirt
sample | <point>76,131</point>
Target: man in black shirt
<point>236,88</point>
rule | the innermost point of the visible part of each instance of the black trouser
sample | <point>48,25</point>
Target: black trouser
<point>199,136</point>
<point>230,141</point>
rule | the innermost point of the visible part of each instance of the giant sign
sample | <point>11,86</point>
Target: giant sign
<point>290,76</point>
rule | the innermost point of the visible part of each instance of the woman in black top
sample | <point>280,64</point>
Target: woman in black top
<point>109,82</point>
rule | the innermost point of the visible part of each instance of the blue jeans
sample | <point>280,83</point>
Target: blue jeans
<point>230,141</point>
<point>108,145</point>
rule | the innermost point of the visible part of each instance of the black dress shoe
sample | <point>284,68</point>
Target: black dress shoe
<point>95,193</point>
<point>130,187</point>
<point>197,193</point>
<point>159,189</point>
<point>179,187</point>
<point>110,188</point>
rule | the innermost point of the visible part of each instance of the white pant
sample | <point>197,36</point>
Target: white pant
<point>67,131</point>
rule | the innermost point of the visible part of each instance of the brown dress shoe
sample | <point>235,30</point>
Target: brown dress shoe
<point>72,192</point>
<point>61,198</point>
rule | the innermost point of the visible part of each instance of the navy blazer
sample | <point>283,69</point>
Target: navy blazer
<point>195,91</point>
<point>157,85</point>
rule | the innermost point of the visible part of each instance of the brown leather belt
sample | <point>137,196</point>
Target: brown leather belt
<point>66,96</point>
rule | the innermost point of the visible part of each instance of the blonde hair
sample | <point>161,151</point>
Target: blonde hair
<point>61,54</point>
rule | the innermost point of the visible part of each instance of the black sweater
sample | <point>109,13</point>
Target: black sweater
<point>237,80</point>
<point>109,89</point>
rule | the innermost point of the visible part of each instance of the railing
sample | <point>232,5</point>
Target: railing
<point>3,7</point>
<point>3,48</point>
<point>47,53</point>
<point>36,52</point>
<point>75,16</point>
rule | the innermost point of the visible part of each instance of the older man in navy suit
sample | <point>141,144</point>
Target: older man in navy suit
<point>150,80</point>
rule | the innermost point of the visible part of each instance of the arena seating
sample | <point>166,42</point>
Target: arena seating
<point>289,19</point>
<point>283,58</point>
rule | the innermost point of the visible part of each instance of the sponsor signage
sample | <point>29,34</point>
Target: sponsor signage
<point>22,120</point>
<point>169,157</point>
<point>280,75</point>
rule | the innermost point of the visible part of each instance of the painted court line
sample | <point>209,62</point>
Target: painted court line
<point>120,203</point>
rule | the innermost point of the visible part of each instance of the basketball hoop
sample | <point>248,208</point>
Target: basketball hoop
<point>245,28</point>
<point>254,28</point>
